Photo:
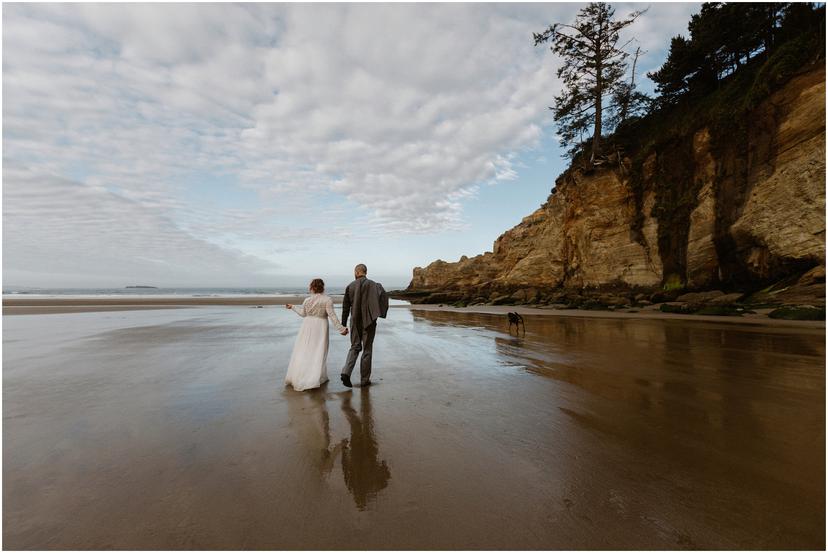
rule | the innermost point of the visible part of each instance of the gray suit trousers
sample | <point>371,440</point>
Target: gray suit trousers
<point>361,340</point>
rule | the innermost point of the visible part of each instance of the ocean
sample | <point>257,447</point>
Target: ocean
<point>152,291</point>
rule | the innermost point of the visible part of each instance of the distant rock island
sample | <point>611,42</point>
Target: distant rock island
<point>156,287</point>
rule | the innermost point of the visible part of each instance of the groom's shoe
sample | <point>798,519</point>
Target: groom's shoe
<point>346,380</point>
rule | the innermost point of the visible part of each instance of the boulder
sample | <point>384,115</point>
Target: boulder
<point>664,295</point>
<point>726,299</point>
<point>501,299</point>
<point>525,295</point>
<point>700,297</point>
<point>611,300</point>
<point>443,297</point>
<point>814,276</point>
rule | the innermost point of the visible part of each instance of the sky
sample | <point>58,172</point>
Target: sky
<point>267,144</point>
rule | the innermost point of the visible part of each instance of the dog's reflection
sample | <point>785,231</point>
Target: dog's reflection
<point>365,475</point>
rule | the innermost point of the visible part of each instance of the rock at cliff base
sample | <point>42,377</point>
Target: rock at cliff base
<point>615,301</point>
<point>664,295</point>
<point>804,313</point>
<point>674,307</point>
<point>700,297</point>
<point>443,297</point>
<point>501,300</point>
<point>814,276</point>
<point>726,299</point>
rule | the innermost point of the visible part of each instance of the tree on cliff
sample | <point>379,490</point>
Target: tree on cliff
<point>627,101</point>
<point>593,68</point>
<point>726,36</point>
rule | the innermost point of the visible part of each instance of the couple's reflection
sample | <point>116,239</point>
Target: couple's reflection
<point>365,475</point>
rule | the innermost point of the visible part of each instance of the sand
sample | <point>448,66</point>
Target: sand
<point>14,305</point>
<point>649,313</point>
<point>170,429</point>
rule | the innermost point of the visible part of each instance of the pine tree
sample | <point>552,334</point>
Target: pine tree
<point>723,38</point>
<point>593,68</point>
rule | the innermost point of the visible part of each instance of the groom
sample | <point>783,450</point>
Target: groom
<point>369,301</point>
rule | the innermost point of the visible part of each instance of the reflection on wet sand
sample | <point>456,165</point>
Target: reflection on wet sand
<point>742,407</point>
<point>315,434</point>
<point>364,474</point>
<point>171,430</point>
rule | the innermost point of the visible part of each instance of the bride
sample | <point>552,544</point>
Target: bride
<point>308,362</point>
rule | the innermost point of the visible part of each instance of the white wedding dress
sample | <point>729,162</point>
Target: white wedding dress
<point>308,362</point>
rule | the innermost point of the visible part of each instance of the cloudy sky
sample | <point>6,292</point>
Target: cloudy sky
<point>262,144</point>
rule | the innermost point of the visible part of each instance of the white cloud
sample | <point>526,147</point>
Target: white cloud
<point>400,110</point>
<point>54,225</point>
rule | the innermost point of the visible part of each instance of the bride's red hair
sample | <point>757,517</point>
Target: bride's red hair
<point>317,286</point>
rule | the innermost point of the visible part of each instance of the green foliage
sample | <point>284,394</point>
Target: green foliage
<point>672,79</point>
<point>716,80</point>
<point>673,282</point>
<point>722,36</point>
<point>798,313</point>
<point>725,36</point>
<point>782,65</point>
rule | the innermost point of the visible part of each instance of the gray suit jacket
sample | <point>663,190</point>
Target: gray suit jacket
<point>368,301</point>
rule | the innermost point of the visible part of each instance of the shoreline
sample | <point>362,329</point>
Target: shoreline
<point>58,305</point>
<point>55,305</point>
<point>759,319</point>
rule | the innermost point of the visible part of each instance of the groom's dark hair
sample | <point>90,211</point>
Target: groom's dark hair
<point>361,269</point>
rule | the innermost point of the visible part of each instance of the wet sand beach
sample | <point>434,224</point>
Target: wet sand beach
<point>171,429</point>
<point>28,305</point>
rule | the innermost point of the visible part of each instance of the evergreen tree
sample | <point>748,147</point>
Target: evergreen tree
<point>724,37</point>
<point>672,80</point>
<point>593,68</point>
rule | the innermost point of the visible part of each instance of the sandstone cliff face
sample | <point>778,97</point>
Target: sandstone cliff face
<point>696,215</point>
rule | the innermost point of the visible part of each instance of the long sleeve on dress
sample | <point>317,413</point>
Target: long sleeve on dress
<point>332,315</point>
<point>300,309</point>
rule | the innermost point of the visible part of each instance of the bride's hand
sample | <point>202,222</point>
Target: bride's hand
<point>288,306</point>
<point>344,332</point>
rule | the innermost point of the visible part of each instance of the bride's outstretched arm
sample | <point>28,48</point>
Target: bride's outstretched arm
<point>299,309</point>
<point>332,316</point>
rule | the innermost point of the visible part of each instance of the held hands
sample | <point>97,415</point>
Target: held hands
<point>288,306</point>
<point>344,331</point>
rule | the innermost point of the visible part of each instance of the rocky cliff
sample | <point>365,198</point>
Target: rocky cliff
<point>702,211</point>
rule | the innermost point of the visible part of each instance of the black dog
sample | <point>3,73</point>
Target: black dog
<point>517,320</point>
